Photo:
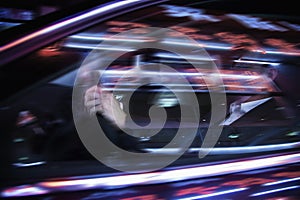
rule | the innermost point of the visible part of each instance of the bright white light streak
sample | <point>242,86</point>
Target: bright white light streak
<point>244,86</point>
<point>182,62</point>
<point>29,164</point>
<point>284,53</point>
<point>154,90</point>
<point>214,194</point>
<point>256,62</point>
<point>24,191</point>
<point>236,76</point>
<point>187,57</point>
<point>248,149</point>
<point>67,22</point>
<point>289,53</point>
<point>274,191</point>
<point>187,173</point>
<point>183,43</point>
<point>282,181</point>
<point>115,48</point>
<point>198,73</point>
<point>121,83</point>
<point>239,166</point>
<point>108,38</point>
<point>152,73</point>
<point>217,47</point>
<point>228,48</point>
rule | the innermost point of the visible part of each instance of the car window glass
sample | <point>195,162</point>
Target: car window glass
<point>257,59</point>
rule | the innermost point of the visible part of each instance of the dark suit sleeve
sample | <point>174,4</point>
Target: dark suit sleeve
<point>117,136</point>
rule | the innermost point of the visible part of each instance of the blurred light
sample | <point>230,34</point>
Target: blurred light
<point>137,62</point>
<point>187,74</point>
<point>274,191</point>
<point>195,44</point>
<point>282,181</point>
<point>214,194</point>
<point>118,181</point>
<point>167,102</point>
<point>163,151</point>
<point>111,38</point>
<point>220,47</point>
<point>67,22</point>
<point>8,24</point>
<point>29,164</point>
<point>245,86</point>
<point>236,76</point>
<point>284,53</point>
<point>121,83</point>
<point>26,190</point>
<point>82,46</point>
<point>181,62</point>
<point>247,149</point>
<point>187,57</point>
<point>257,62</point>
<point>293,134</point>
<point>166,176</point>
<point>234,136</point>
<point>290,25</point>
<point>155,73</point>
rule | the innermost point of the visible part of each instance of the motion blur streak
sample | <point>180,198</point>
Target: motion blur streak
<point>282,181</point>
<point>66,22</point>
<point>108,38</point>
<point>256,62</point>
<point>24,191</point>
<point>273,191</point>
<point>249,149</point>
<point>214,194</point>
<point>179,174</point>
<point>99,47</point>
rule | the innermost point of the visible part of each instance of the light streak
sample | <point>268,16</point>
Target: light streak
<point>166,176</point>
<point>274,191</point>
<point>214,194</point>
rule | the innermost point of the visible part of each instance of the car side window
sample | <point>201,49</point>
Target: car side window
<point>262,109</point>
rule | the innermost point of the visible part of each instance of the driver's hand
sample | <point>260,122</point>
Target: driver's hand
<point>103,102</point>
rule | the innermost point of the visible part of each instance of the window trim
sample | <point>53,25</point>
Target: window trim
<point>69,25</point>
